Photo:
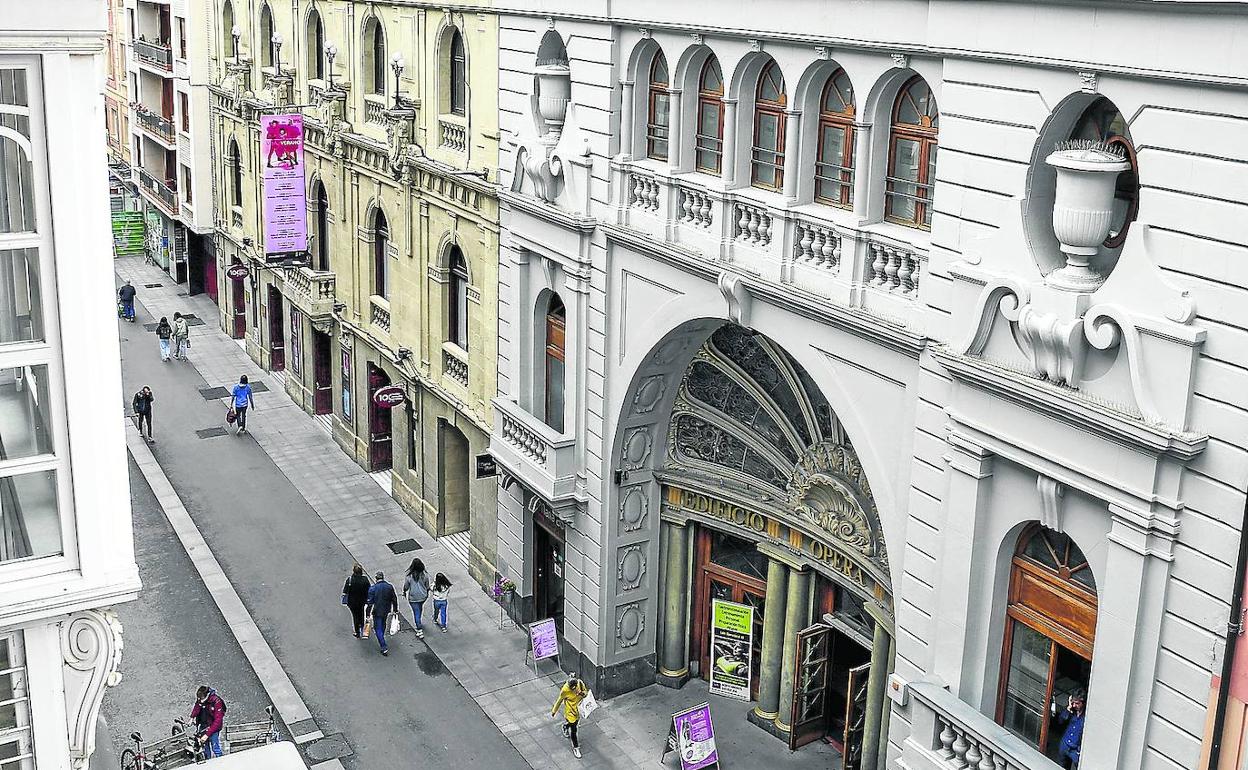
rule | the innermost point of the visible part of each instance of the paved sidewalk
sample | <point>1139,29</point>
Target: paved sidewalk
<point>486,659</point>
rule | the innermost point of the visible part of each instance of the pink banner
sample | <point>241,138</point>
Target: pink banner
<point>285,207</point>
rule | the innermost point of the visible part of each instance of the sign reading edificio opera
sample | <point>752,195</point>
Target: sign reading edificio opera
<point>755,525</point>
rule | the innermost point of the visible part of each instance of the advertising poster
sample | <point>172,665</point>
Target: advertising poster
<point>285,207</point>
<point>693,738</point>
<point>732,632</point>
<point>545,639</point>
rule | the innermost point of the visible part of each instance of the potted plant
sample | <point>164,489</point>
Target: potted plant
<point>504,593</point>
<point>1083,207</point>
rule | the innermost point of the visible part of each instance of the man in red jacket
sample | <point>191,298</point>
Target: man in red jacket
<point>209,713</point>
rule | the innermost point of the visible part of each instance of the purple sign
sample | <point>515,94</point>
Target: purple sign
<point>285,205</point>
<point>695,737</point>
<point>389,396</point>
<point>545,639</point>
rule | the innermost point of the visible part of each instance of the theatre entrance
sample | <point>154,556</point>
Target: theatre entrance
<point>730,569</point>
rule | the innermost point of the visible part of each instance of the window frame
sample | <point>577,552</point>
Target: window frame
<point>18,669</point>
<point>555,350</point>
<point>845,122</point>
<point>712,99</point>
<point>229,51</point>
<point>381,260</point>
<point>457,299</point>
<point>927,137</point>
<point>774,109</point>
<point>321,220</point>
<point>266,34</point>
<point>315,41</point>
<point>457,61</point>
<point>658,90</point>
<point>375,40</point>
<point>235,161</point>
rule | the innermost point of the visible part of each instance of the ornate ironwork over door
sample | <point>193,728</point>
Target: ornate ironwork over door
<point>810,686</point>
<point>855,717</point>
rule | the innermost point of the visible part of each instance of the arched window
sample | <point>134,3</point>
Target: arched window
<point>912,155</point>
<point>658,115</point>
<point>1050,625</point>
<point>556,326</point>
<point>1102,122</point>
<point>266,36</point>
<point>374,57</point>
<point>227,29</point>
<point>315,46</point>
<point>235,162</point>
<point>321,201</point>
<point>457,300</point>
<point>381,263</point>
<point>459,75</point>
<point>834,164</point>
<point>768,155</point>
<point>709,141</point>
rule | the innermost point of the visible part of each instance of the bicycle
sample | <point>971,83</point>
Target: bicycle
<point>182,747</point>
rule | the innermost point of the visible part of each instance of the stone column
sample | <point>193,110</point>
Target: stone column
<point>796,618</point>
<point>792,153</point>
<point>862,171</point>
<point>876,680</point>
<point>774,612</point>
<point>673,129</point>
<point>729,164</point>
<point>674,665</point>
<point>626,120</point>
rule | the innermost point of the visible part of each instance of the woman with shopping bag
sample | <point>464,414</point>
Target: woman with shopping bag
<point>578,702</point>
<point>355,597</point>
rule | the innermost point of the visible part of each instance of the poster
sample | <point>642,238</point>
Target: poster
<point>545,639</point>
<point>285,205</point>
<point>732,636</point>
<point>692,736</point>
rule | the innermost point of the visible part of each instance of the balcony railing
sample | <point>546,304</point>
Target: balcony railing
<point>872,266</point>
<point>312,290</point>
<point>375,109</point>
<point>163,192</point>
<point>159,127</point>
<point>158,54</point>
<point>452,134</point>
<point>949,734</point>
<point>379,313</point>
<point>543,459</point>
<point>455,363</point>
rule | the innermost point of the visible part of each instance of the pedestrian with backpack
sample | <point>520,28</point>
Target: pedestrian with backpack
<point>416,590</point>
<point>240,401</point>
<point>164,332</point>
<point>209,716</point>
<point>181,336</point>
<point>441,594</point>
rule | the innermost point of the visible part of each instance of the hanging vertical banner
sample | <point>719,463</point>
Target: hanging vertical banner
<point>285,205</point>
<point>732,637</point>
<point>692,736</point>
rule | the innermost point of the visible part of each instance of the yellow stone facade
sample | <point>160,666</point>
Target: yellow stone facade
<point>429,166</point>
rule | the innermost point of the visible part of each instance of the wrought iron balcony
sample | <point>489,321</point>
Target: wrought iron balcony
<point>157,54</point>
<point>158,127</point>
<point>165,195</point>
<point>540,457</point>
<point>948,734</point>
<point>312,291</point>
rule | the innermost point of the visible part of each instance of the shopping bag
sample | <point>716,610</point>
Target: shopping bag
<point>588,705</point>
<point>344,599</point>
<point>231,415</point>
<point>392,624</point>
<point>368,627</point>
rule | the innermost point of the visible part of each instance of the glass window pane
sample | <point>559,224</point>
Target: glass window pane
<point>21,314</point>
<point>832,146</point>
<point>712,80</point>
<point>17,186</point>
<point>1027,686</point>
<point>554,393</point>
<point>660,109</point>
<point>25,422</point>
<point>768,134</point>
<point>738,555</point>
<point>13,686</point>
<point>708,121</point>
<point>906,160</point>
<point>30,524</point>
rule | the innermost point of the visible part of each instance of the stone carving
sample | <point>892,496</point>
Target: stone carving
<point>630,624</point>
<point>1051,493</point>
<point>634,508</point>
<point>649,393</point>
<point>1088,82</point>
<point>630,567</point>
<point>637,445</point>
<point>829,488</point>
<point>1056,348</point>
<point>398,140</point>
<point>901,60</point>
<point>736,294</point>
<point>91,648</point>
<point>544,171</point>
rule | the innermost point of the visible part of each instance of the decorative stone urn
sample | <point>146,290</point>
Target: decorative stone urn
<point>554,91</point>
<point>1083,208</point>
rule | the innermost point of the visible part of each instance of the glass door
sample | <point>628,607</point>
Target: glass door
<point>732,570</point>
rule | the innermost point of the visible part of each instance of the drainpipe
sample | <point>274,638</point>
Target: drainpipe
<point>1234,628</point>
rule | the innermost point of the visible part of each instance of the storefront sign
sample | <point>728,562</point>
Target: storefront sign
<point>733,514</point>
<point>487,466</point>
<point>236,272</point>
<point>389,396</point>
<point>285,205</point>
<point>692,736</point>
<point>545,639</point>
<point>732,635</point>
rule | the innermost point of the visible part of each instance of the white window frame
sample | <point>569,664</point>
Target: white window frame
<point>25,760</point>
<point>48,351</point>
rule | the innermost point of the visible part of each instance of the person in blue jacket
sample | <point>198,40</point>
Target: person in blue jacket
<point>242,400</point>
<point>382,600</point>
<point>1072,736</point>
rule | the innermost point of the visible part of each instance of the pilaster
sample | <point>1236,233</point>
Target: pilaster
<point>796,618</point>
<point>774,612</point>
<point>674,664</point>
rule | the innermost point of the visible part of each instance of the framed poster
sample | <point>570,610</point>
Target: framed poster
<point>285,197</point>
<point>692,736</point>
<point>732,634</point>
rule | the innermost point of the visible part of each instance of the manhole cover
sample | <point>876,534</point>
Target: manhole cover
<point>324,749</point>
<point>193,320</point>
<point>153,286</point>
<point>150,327</point>
<point>212,394</point>
<point>210,432</point>
<point>403,546</point>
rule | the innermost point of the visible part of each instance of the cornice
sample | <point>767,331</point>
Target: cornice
<point>556,216</point>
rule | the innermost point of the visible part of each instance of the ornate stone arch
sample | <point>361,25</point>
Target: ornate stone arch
<point>452,23</point>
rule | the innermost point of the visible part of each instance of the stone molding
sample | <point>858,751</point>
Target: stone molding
<point>91,649</point>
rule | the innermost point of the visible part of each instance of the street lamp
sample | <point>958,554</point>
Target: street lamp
<point>277,53</point>
<point>331,51</point>
<point>236,33</point>
<point>396,64</point>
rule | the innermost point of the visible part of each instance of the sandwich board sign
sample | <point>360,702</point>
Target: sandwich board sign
<point>692,736</point>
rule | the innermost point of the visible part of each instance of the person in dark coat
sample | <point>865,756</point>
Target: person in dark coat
<point>1072,736</point>
<point>355,591</point>
<point>142,404</point>
<point>209,715</point>
<point>382,600</point>
<point>126,295</point>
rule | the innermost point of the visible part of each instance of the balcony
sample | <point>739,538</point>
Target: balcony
<point>379,314</point>
<point>166,196</point>
<point>312,291</point>
<point>948,734</point>
<point>159,55</point>
<point>455,363</point>
<point>532,451</point>
<point>375,109</point>
<point>159,128</point>
<point>453,133</point>
<point>808,247</point>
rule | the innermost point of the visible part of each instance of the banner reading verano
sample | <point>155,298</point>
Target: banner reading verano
<point>285,206</point>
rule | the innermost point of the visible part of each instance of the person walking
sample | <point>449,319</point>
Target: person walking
<point>142,404</point>
<point>355,596</point>
<point>441,594</point>
<point>163,333</point>
<point>209,714</point>
<point>382,600</point>
<point>126,295</point>
<point>416,591</point>
<point>570,697</point>
<point>242,401</point>
<point>181,336</point>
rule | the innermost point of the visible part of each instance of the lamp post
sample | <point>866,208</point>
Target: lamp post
<point>396,64</point>
<point>331,51</point>
<point>277,53</point>
<point>236,33</point>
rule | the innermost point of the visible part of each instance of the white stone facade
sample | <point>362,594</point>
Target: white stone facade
<point>66,550</point>
<point>985,380</point>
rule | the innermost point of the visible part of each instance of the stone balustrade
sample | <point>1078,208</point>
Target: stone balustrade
<point>455,364</point>
<point>894,269</point>
<point>527,442</point>
<point>949,734</point>
<point>752,225</point>
<point>452,135</point>
<point>644,194</point>
<point>533,452</point>
<point>375,109</point>
<point>379,313</point>
<point>312,290</point>
<point>695,208</point>
<point>817,246</point>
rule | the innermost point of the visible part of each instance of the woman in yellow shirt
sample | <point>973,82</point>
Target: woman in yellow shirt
<point>570,696</point>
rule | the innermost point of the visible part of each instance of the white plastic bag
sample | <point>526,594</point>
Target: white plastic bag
<point>588,705</point>
<point>392,624</point>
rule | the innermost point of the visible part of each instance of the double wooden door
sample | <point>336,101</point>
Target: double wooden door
<point>716,580</point>
<point>380,446</point>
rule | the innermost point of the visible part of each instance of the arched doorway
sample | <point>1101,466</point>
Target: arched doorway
<point>238,304</point>
<point>380,445</point>
<point>762,488</point>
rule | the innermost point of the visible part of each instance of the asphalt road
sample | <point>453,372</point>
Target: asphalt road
<point>288,568</point>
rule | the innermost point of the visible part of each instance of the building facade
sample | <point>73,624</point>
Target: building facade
<point>66,551</point>
<point>170,146</point>
<point>400,113</point>
<point>116,100</point>
<point>920,339</point>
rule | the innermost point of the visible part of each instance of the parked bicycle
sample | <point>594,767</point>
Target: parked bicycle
<point>183,746</point>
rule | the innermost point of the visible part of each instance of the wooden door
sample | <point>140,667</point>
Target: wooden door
<point>809,719</point>
<point>238,293</point>
<point>855,717</point>
<point>322,374</point>
<point>380,448</point>
<point>277,331</point>
<point>714,581</point>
